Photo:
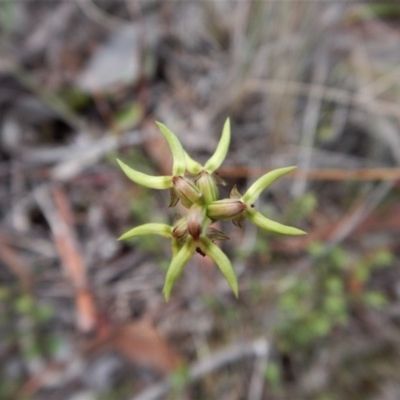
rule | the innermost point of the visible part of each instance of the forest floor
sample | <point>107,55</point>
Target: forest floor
<point>306,83</point>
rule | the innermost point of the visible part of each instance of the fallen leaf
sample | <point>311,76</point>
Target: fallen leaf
<point>140,343</point>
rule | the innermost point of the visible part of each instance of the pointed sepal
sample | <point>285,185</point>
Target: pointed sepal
<point>262,183</point>
<point>222,149</point>
<point>192,166</point>
<point>264,223</point>
<point>239,220</point>
<point>178,154</point>
<point>152,182</point>
<point>176,246</point>
<point>235,194</point>
<point>218,180</point>
<point>148,229</point>
<point>219,257</point>
<point>176,267</point>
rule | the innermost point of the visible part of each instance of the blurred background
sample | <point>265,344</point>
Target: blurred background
<point>309,83</point>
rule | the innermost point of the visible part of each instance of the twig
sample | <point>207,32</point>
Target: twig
<point>360,213</point>
<point>257,348</point>
<point>385,130</point>
<point>100,16</point>
<point>387,108</point>
<point>257,380</point>
<point>80,160</point>
<point>383,83</point>
<point>64,238</point>
<point>328,174</point>
<point>92,154</point>
<point>51,100</point>
<point>15,263</point>
<point>56,208</point>
<point>51,26</point>
<point>310,124</point>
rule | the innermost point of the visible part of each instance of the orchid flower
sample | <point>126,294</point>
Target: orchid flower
<point>239,207</point>
<point>196,187</point>
<point>186,190</point>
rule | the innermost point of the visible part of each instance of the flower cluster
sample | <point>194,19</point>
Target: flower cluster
<point>196,187</point>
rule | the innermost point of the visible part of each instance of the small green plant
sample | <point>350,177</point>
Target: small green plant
<point>315,305</point>
<point>196,186</point>
<point>24,330</point>
<point>273,375</point>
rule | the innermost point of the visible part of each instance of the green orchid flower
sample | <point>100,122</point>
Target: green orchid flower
<point>182,188</point>
<point>239,207</point>
<point>187,238</point>
<point>217,158</point>
<point>196,186</point>
<point>160,182</point>
<point>252,195</point>
<point>204,176</point>
<point>205,246</point>
<point>148,229</point>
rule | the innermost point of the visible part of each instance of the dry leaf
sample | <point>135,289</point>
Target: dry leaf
<point>140,343</point>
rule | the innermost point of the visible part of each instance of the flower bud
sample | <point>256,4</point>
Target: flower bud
<point>225,209</point>
<point>187,191</point>
<point>196,220</point>
<point>180,228</point>
<point>207,185</point>
<point>173,197</point>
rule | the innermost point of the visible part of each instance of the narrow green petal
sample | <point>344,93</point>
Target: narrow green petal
<point>192,166</point>
<point>219,257</point>
<point>178,154</point>
<point>176,267</point>
<point>176,246</point>
<point>148,229</point>
<point>262,183</point>
<point>264,223</point>
<point>153,182</point>
<point>222,149</point>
